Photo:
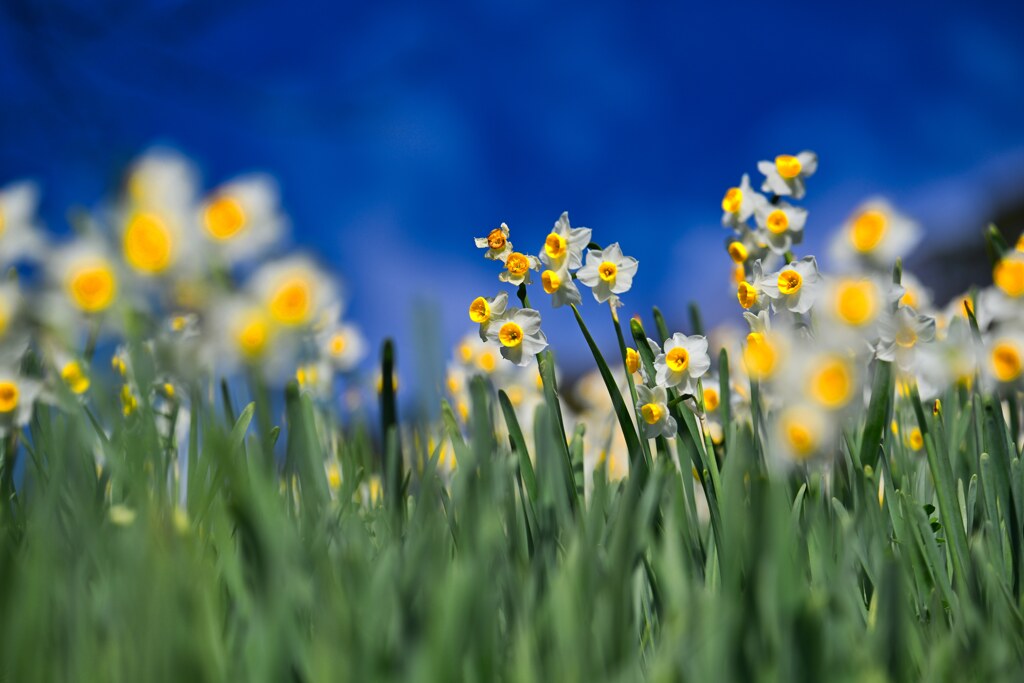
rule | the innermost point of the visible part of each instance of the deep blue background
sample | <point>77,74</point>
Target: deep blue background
<point>399,131</point>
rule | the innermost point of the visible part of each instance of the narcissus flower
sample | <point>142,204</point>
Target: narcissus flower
<point>496,243</point>
<point>876,234</point>
<point>787,174</point>
<point>1005,358</point>
<point>564,245</point>
<point>87,275</point>
<point>518,267</point>
<point>738,204</point>
<point>781,224</point>
<point>751,292</point>
<point>652,405</point>
<point>1008,274</point>
<point>519,334</point>
<point>18,395</point>
<point>795,286</point>
<point>342,345</point>
<point>559,284</point>
<point>482,310</point>
<point>608,272</point>
<point>900,333</point>
<point>293,290</point>
<point>800,432</point>
<point>242,218</point>
<point>682,362</point>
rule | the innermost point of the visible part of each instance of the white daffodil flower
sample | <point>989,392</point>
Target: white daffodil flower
<point>795,286</point>
<point>20,238</point>
<point>564,245</point>
<point>828,377</point>
<point>294,291</point>
<point>752,292</point>
<point>608,272</point>
<point>482,310</point>
<point>799,432</point>
<point>343,345</point>
<point>746,246</point>
<point>518,267</point>
<point>787,174</point>
<point>683,361</point>
<point>652,404</point>
<point>18,395</point>
<point>496,243</point>
<point>1004,357</point>
<point>915,294</point>
<point>781,224</point>
<point>738,204</point>
<point>900,333</point>
<point>876,235</point>
<point>519,333</point>
<point>242,218</point>
<point>559,284</point>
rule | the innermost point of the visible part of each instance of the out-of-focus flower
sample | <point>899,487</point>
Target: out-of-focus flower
<point>607,272</point>
<point>782,224</point>
<point>786,176</point>
<point>795,286</point>
<point>20,238</point>
<point>746,246</point>
<point>496,243</point>
<point>482,310</point>
<point>242,218</point>
<point>87,276</point>
<point>294,291</point>
<point>876,234</point>
<point>652,404</point>
<point>1005,357</point>
<point>559,284</point>
<point>738,204</point>
<point>900,333</point>
<point>683,361</point>
<point>564,245</point>
<point>518,331</point>
<point>18,395</point>
<point>342,345</point>
<point>799,432</point>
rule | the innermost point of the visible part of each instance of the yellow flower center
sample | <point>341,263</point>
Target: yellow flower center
<point>906,337</point>
<point>746,293</point>
<point>790,282</point>
<point>517,264</point>
<point>632,360</point>
<point>510,334</point>
<point>607,271</point>
<point>733,200</point>
<point>129,403</point>
<point>760,356</point>
<point>915,440</point>
<point>778,221</point>
<point>8,396</point>
<point>856,302</point>
<point>909,298</point>
<point>738,252</point>
<point>292,302</point>
<point>487,361</point>
<point>677,359</point>
<point>466,352</point>
<point>868,229</point>
<point>479,310</point>
<point>252,335</point>
<point>552,283</point>
<point>1006,361</point>
<point>148,244</point>
<point>801,437</point>
<point>496,239</point>
<point>306,375</point>
<point>788,166</point>
<point>337,344</point>
<point>652,413</point>
<point>832,383</point>
<point>224,218</point>
<point>92,288</point>
<point>1009,276</point>
<point>74,377</point>
<point>554,246</point>
<point>711,399</point>
<point>334,476</point>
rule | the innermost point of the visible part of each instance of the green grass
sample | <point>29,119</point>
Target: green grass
<point>504,570</point>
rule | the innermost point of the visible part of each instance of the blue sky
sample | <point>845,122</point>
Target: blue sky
<point>399,131</point>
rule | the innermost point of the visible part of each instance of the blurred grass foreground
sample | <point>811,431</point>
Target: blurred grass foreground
<point>205,475</point>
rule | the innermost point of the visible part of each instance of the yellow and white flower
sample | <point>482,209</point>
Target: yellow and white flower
<point>682,362</point>
<point>496,243</point>
<point>559,284</point>
<point>87,276</point>
<point>518,331</point>
<point>342,345</point>
<point>799,432</point>
<point>518,267</point>
<point>1004,361</point>
<point>795,286</point>
<point>20,238</point>
<point>751,292</point>
<point>608,272</point>
<point>18,395</point>
<point>786,175</point>
<point>242,218</point>
<point>564,245</point>
<point>746,247</point>
<point>652,405</point>
<point>294,292</point>
<point>781,224</point>
<point>901,333</point>
<point>738,204</point>
<point>828,378</point>
<point>875,234</point>
<point>483,309</point>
